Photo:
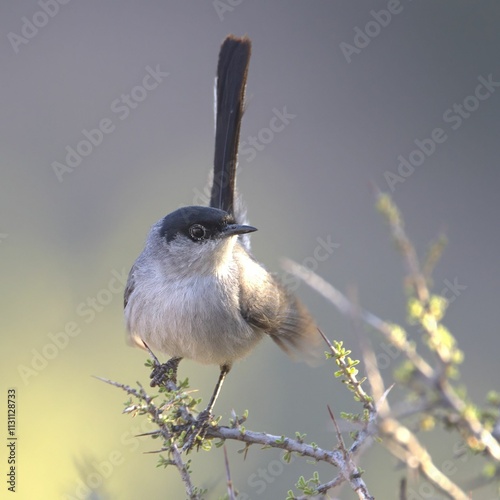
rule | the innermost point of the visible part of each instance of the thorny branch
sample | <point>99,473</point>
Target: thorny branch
<point>155,414</point>
<point>339,458</point>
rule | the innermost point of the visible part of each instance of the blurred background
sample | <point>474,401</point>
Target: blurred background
<point>402,94</point>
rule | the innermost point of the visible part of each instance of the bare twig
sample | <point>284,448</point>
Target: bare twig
<point>230,490</point>
<point>337,430</point>
<point>374,376</point>
<point>402,489</point>
<point>404,444</point>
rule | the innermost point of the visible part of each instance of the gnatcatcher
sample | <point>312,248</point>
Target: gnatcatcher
<point>196,291</point>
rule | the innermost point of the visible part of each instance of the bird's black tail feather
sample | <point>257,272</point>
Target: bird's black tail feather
<point>232,70</point>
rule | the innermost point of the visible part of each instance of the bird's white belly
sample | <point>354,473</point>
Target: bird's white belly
<point>197,319</point>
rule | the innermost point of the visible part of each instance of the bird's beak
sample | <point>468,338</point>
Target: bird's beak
<point>232,229</point>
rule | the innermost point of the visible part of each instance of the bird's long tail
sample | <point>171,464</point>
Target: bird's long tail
<point>232,69</point>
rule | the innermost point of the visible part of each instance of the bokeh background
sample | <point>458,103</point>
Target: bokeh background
<point>355,103</point>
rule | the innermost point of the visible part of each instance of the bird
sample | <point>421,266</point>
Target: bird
<point>196,291</point>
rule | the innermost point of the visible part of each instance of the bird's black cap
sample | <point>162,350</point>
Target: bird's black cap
<point>201,223</point>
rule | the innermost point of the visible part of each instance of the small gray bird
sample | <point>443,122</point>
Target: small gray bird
<point>196,291</point>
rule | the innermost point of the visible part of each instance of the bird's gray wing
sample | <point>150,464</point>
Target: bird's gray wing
<point>266,304</point>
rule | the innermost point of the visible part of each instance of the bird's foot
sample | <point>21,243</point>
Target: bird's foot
<point>163,373</point>
<point>197,431</point>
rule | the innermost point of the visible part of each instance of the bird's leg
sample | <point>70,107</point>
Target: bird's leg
<point>224,370</point>
<point>200,426</point>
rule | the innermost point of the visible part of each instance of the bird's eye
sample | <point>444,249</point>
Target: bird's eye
<point>197,232</point>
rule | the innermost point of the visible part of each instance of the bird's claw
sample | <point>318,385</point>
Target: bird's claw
<point>197,431</point>
<point>163,373</point>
